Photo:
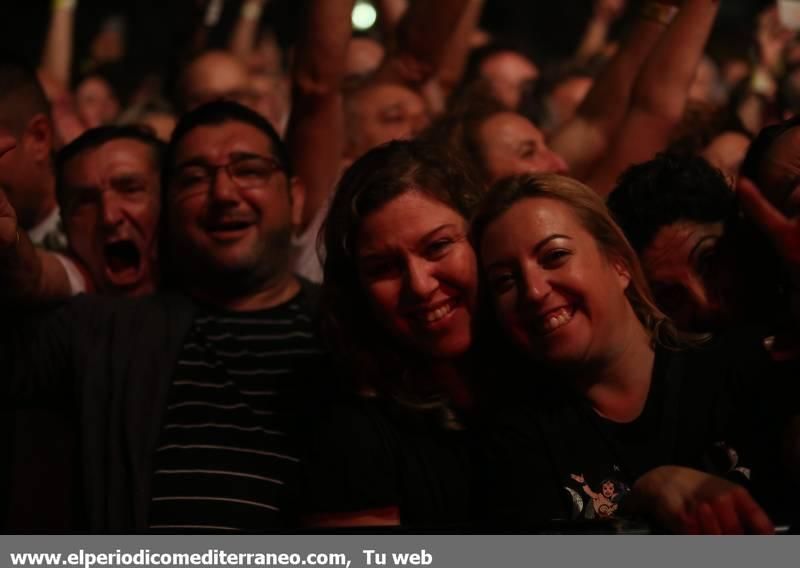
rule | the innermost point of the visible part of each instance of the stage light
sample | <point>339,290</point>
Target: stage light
<point>364,15</point>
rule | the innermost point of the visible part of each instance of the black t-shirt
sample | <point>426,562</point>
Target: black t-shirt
<point>551,456</point>
<point>373,453</point>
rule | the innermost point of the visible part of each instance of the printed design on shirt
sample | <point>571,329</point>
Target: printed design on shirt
<point>601,502</point>
<point>722,459</point>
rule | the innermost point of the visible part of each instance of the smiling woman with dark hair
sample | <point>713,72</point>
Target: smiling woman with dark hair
<point>398,310</point>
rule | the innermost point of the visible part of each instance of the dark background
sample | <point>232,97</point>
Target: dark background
<point>155,28</point>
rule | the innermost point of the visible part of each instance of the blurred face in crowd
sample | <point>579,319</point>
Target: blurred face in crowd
<point>96,102</point>
<point>231,209</point>
<point>364,55</point>
<point>726,153</point>
<point>419,273</point>
<point>381,113</point>
<point>557,295</point>
<point>214,75</point>
<point>509,75</point>
<point>780,173</point>
<point>734,71</point>
<point>706,87</point>
<point>270,98</point>
<point>511,145</point>
<point>25,174</point>
<point>112,202</point>
<point>678,265</point>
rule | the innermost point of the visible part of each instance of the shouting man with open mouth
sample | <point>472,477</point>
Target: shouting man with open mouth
<point>109,190</point>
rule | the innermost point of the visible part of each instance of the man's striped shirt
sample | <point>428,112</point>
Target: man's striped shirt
<point>227,453</point>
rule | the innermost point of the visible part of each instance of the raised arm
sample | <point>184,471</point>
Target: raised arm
<point>660,94</point>
<point>594,41</point>
<point>26,274</point>
<point>245,30</point>
<point>316,128</point>
<point>391,12</point>
<point>582,140</point>
<point>57,58</point>
<point>454,60</point>
<point>32,349</point>
<point>422,39</point>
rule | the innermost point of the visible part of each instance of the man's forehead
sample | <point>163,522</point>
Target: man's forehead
<point>119,151</point>
<point>215,140</point>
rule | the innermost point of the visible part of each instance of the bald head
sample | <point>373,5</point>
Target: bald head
<point>364,55</point>
<point>213,75</point>
<point>26,175</point>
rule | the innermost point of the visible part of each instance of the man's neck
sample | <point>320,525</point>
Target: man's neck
<point>275,292</point>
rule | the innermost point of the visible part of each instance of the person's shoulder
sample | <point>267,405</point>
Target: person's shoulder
<point>735,350</point>
<point>102,314</point>
<point>113,304</point>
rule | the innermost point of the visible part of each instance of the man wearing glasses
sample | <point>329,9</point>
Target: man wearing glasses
<point>188,397</point>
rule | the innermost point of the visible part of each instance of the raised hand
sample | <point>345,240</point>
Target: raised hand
<point>609,10</point>
<point>687,501</point>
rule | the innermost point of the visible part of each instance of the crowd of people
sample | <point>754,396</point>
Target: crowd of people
<point>418,279</point>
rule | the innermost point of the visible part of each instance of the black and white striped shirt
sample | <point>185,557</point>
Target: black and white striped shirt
<point>227,454</point>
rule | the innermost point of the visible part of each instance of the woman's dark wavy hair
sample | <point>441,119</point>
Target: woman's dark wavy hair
<point>359,342</point>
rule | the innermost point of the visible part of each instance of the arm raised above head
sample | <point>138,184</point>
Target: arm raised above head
<point>316,128</point>
<point>57,56</point>
<point>422,40</point>
<point>660,94</point>
<point>584,138</point>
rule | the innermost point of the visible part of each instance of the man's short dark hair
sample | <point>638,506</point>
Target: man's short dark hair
<point>216,113</point>
<point>21,94</point>
<point>96,137</point>
<point>668,189</point>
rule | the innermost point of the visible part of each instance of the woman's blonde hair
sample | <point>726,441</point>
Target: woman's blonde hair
<point>591,211</point>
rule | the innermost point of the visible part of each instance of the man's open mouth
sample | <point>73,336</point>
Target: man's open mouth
<point>123,262</point>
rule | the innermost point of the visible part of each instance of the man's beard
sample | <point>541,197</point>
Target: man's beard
<point>268,260</point>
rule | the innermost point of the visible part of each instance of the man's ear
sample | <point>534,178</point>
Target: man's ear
<point>297,200</point>
<point>38,137</point>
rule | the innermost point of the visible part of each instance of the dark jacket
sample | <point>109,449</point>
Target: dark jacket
<point>113,359</point>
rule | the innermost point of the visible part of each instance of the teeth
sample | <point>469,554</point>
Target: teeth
<point>437,314</point>
<point>560,318</point>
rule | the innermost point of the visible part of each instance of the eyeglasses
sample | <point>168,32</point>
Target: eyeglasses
<point>248,172</point>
